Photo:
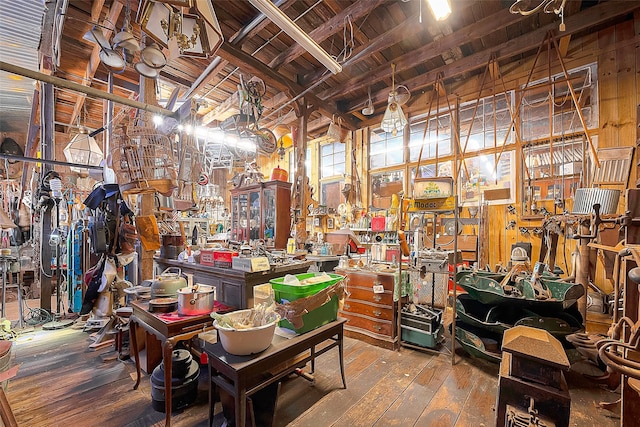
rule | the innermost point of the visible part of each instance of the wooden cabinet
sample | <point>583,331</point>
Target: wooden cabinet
<point>261,212</point>
<point>369,307</point>
<point>233,287</point>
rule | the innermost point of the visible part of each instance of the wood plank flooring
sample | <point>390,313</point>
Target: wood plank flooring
<point>63,383</point>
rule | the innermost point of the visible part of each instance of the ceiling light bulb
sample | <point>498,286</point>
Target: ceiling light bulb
<point>441,9</point>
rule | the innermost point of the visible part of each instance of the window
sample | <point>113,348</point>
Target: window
<point>536,103</point>
<point>385,149</point>
<point>437,140</point>
<point>548,177</point>
<point>481,177</point>
<point>486,130</point>
<point>383,186</point>
<point>332,159</point>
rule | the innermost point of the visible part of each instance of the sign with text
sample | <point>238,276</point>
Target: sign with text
<point>433,204</point>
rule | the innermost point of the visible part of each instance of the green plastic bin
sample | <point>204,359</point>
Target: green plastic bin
<point>314,319</point>
<point>322,315</point>
<point>285,293</point>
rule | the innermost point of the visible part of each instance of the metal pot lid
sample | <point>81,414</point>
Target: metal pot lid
<point>112,59</point>
<point>146,71</point>
<point>153,57</point>
<point>126,40</point>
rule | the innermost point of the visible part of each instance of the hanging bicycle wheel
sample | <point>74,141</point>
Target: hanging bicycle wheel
<point>266,140</point>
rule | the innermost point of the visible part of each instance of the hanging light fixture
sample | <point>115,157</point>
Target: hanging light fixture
<point>393,119</point>
<point>441,9</point>
<point>125,39</point>
<point>83,149</point>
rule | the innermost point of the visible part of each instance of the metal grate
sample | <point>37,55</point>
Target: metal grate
<point>422,288</point>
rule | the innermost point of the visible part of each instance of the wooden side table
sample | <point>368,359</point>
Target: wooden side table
<point>169,329</point>
<point>241,376</point>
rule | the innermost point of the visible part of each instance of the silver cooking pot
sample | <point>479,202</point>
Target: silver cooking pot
<point>168,283</point>
<point>197,299</point>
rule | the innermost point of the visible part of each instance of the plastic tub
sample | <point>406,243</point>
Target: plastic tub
<point>285,293</point>
<point>322,315</point>
<point>243,342</point>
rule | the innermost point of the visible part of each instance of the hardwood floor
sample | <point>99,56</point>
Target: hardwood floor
<point>61,382</point>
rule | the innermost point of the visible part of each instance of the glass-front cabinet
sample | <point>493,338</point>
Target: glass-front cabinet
<point>261,212</point>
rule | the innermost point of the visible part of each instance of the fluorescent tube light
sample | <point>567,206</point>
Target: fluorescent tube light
<point>291,28</point>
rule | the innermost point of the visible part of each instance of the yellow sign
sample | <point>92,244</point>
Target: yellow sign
<point>433,204</point>
<point>260,264</point>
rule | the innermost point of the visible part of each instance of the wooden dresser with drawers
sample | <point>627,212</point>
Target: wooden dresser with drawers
<point>369,308</point>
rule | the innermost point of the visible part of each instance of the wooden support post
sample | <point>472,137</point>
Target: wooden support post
<point>582,269</point>
<point>146,203</point>
<point>301,179</point>
<point>47,142</point>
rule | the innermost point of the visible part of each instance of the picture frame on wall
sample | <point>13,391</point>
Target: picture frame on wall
<point>316,221</point>
<point>330,223</point>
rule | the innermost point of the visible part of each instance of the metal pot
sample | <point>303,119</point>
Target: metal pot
<point>197,299</point>
<point>168,283</point>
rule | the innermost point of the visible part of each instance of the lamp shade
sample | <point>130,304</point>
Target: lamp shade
<point>393,119</point>
<point>83,149</point>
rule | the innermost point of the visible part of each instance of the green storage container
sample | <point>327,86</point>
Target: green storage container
<point>284,293</point>
<point>314,319</point>
<point>420,337</point>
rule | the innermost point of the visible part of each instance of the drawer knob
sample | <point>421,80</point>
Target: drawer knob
<point>377,312</point>
<point>377,328</point>
<point>377,297</point>
<point>347,306</point>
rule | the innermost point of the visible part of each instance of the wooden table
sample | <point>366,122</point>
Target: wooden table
<point>241,376</point>
<point>170,329</point>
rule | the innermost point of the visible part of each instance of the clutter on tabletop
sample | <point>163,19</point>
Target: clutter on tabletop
<point>257,316</point>
<point>291,279</point>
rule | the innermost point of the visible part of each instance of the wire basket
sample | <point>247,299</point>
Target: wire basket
<point>143,161</point>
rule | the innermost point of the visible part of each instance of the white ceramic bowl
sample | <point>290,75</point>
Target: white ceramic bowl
<point>243,342</point>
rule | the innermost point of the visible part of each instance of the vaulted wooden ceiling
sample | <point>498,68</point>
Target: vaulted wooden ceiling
<point>367,35</point>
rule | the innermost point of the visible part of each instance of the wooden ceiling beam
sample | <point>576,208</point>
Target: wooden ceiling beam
<point>329,28</point>
<point>383,41</point>
<point>94,59</point>
<point>237,39</point>
<point>271,77</point>
<point>579,22</point>
<point>427,52</point>
<point>264,21</point>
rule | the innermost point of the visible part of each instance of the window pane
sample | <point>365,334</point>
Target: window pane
<point>385,149</point>
<point>482,177</point>
<point>537,106</point>
<point>332,159</point>
<point>553,177</point>
<point>484,129</point>
<point>437,140</point>
<point>383,186</point>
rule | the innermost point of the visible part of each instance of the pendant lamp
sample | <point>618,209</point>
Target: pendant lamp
<point>394,118</point>
<point>83,149</point>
